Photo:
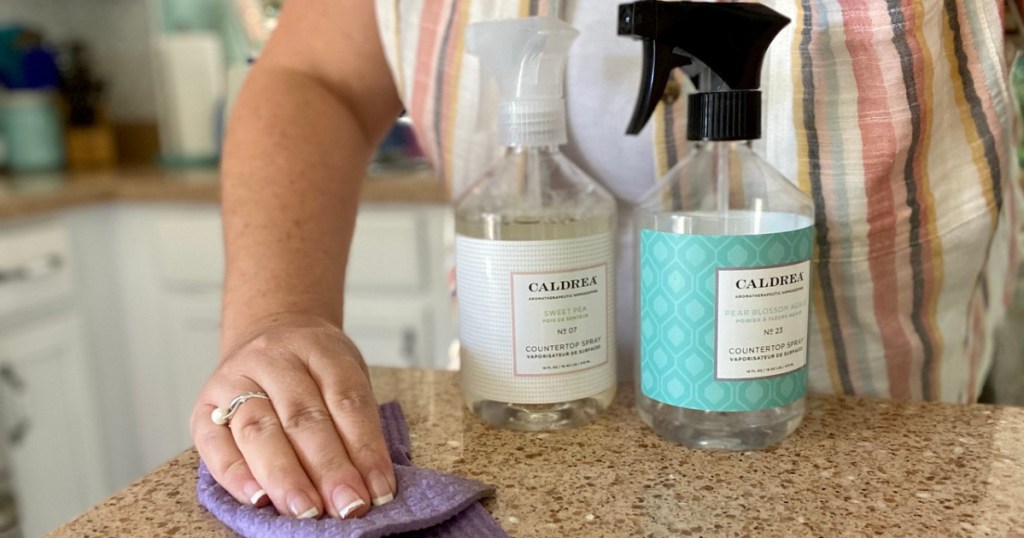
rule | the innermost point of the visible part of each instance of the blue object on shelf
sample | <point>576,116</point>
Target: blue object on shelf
<point>10,58</point>
<point>26,61</point>
<point>39,66</point>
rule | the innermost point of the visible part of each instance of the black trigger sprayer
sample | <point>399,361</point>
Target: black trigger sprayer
<point>720,46</point>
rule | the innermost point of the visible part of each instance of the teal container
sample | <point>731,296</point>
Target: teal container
<point>32,131</point>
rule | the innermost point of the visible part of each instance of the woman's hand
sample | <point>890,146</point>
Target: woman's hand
<point>316,445</point>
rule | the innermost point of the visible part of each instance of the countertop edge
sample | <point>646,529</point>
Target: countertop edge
<point>28,196</point>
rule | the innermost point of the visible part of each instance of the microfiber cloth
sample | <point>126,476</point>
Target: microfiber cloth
<point>429,503</point>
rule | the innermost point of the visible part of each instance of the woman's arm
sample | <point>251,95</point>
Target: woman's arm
<point>311,112</point>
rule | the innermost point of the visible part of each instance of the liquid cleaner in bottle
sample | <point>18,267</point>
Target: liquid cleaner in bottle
<point>534,249</point>
<point>724,241</point>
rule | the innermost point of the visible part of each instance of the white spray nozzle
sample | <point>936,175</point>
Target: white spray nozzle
<point>527,57</point>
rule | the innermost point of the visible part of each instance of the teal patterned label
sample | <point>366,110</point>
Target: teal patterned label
<point>724,319</point>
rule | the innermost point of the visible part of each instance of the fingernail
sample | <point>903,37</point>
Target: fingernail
<point>255,493</point>
<point>301,506</point>
<point>309,514</point>
<point>257,497</point>
<point>346,501</point>
<point>379,488</point>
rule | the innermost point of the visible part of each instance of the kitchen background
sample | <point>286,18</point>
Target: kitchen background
<point>111,258</point>
<point>110,248</point>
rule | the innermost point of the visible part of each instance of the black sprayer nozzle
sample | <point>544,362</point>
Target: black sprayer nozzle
<point>729,39</point>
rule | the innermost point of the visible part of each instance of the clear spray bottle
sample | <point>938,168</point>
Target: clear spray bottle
<point>724,241</point>
<point>534,249</point>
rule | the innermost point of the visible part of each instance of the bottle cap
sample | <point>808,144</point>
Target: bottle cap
<point>725,115</point>
<point>527,57</point>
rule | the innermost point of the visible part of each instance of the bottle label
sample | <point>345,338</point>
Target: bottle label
<point>536,318</point>
<point>724,319</point>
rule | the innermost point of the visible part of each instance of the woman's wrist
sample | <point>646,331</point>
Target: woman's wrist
<point>247,328</point>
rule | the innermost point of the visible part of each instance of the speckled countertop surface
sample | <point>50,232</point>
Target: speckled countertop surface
<point>855,467</point>
<point>34,194</point>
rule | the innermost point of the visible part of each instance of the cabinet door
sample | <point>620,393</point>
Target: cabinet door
<point>185,347</point>
<point>36,266</point>
<point>389,332</point>
<point>193,343</point>
<point>49,423</point>
<point>388,253</point>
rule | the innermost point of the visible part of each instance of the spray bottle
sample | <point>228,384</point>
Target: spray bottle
<point>724,241</point>
<point>534,249</point>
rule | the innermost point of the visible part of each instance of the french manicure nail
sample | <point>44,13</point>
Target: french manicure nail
<point>257,497</point>
<point>351,507</point>
<point>309,514</point>
<point>301,506</point>
<point>254,492</point>
<point>379,488</point>
<point>346,501</point>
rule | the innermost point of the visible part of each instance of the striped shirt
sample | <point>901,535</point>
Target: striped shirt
<point>895,116</point>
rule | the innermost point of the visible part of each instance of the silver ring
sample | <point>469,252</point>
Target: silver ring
<point>221,416</point>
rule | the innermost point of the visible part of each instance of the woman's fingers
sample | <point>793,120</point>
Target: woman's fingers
<point>223,459</point>
<point>255,439</point>
<point>353,409</point>
<point>261,439</point>
<point>310,429</point>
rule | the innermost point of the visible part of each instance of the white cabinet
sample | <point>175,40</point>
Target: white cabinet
<point>35,266</point>
<point>49,421</point>
<point>172,260</point>
<point>192,337</point>
<point>397,306</point>
<point>390,332</point>
<point>170,265</point>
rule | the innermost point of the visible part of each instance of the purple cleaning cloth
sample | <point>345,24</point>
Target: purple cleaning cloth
<point>430,503</point>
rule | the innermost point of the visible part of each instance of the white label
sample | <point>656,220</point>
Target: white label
<point>560,320</point>
<point>761,321</point>
<point>536,318</point>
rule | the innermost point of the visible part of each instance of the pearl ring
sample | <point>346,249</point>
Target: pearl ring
<point>221,416</point>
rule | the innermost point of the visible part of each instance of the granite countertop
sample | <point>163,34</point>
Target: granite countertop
<point>856,466</point>
<point>22,196</point>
